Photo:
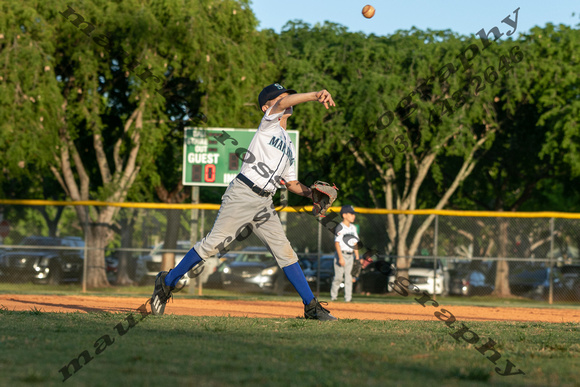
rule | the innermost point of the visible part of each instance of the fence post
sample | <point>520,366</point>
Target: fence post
<point>201,235</point>
<point>201,226</point>
<point>435,241</point>
<point>193,236</point>
<point>1,221</point>
<point>551,292</point>
<point>319,255</point>
<point>85,258</point>
<point>193,224</point>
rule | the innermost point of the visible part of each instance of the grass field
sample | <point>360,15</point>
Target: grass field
<point>231,351</point>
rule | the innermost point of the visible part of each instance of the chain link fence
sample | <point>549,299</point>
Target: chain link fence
<point>494,255</point>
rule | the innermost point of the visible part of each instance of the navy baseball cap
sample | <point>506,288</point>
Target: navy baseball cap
<point>272,91</point>
<point>347,210</point>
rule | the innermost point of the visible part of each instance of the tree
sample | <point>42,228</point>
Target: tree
<point>538,115</point>
<point>90,87</point>
<point>369,76</point>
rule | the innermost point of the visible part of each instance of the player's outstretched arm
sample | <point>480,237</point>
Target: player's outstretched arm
<point>321,96</point>
<point>298,188</point>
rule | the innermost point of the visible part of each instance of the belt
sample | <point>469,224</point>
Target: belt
<point>253,186</point>
<point>348,252</point>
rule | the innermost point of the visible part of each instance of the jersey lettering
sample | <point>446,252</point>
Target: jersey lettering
<point>268,142</point>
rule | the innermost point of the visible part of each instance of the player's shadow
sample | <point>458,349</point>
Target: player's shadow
<point>76,307</point>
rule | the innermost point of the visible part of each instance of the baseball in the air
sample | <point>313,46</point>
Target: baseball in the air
<point>368,11</point>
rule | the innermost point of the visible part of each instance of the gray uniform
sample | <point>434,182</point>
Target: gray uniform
<point>347,237</point>
<point>243,211</point>
<point>247,205</point>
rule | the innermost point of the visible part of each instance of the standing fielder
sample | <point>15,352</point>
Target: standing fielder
<point>247,202</point>
<point>346,244</point>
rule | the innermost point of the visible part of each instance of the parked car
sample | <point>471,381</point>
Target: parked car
<point>51,266</point>
<point>421,275</point>
<point>310,269</point>
<point>214,275</point>
<point>112,267</point>
<point>532,280</point>
<point>254,268</point>
<point>374,278</point>
<point>471,278</point>
<point>148,266</point>
<point>571,282</point>
<point>112,264</point>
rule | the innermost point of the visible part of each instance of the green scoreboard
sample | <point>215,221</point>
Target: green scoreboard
<point>209,162</point>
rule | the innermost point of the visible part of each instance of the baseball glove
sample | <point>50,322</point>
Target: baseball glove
<point>323,195</point>
<point>356,268</point>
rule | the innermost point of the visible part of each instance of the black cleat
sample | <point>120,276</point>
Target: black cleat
<point>315,311</point>
<point>161,294</point>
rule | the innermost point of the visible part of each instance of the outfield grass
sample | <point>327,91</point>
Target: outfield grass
<point>145,291</point>
<point>232,351</point>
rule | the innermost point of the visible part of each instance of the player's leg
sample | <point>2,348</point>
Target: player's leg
<point>349,260</point>
<point>338,276</point>
<point>236,212</point>
<point>269,230</point>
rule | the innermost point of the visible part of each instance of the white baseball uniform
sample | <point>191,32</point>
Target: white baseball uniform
<point>347,237</point>
<point>270,157</point>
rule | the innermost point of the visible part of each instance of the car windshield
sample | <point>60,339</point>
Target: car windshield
<point>325,263</point>
<point>36,241</point>
<point>422,263</point>
<point>570,270</point>
<point>181,245</point>
<point>254,257</point>
<point>465,267</point>
<point>461,266</point>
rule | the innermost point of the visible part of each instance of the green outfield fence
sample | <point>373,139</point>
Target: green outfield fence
<point>458,254</point>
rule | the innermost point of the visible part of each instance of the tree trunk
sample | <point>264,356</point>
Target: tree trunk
<point>127,222</point>
<point>408,199</point>
<point>502,286</point>
<point>403,265</point>
<point>98,236</point>
<point>70,168</point>
<point>96,242</point>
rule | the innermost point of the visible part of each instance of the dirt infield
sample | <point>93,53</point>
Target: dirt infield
<point>284,309</point>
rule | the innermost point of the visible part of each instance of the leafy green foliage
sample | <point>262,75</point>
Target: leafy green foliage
<point>70,104</point>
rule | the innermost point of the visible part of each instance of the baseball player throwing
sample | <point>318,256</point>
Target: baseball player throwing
<point>247,202</point>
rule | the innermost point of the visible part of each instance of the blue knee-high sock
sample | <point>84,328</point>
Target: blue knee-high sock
<point>296,277</point>
<point>191,259</point>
